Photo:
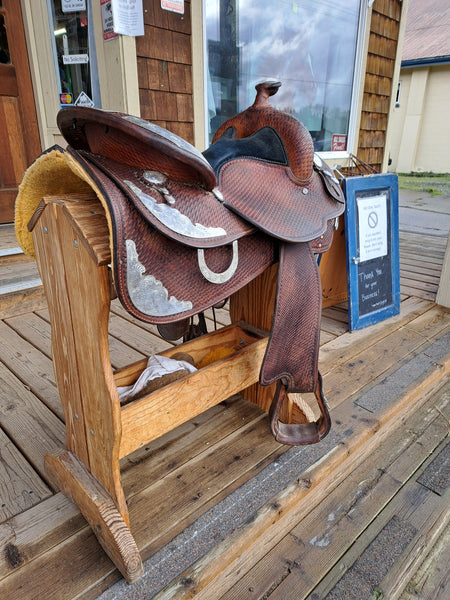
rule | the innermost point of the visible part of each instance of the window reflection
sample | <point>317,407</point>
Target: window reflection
<point>5,57</point>
<point>309,47</point>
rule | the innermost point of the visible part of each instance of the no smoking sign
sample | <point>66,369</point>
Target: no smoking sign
<point>372,222</point>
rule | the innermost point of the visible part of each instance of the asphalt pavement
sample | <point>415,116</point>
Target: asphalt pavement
<point>420,212</point>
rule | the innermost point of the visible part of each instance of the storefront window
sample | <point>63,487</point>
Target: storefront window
<point>309,46</point>
<point>74,52</point>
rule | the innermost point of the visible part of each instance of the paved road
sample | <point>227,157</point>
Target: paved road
<point>419,212</point>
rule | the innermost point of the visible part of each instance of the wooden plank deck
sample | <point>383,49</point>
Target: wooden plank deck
<point>217,507</point>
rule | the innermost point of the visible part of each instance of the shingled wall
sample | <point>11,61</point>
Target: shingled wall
<point>383,40</point>
<point>164,61</point>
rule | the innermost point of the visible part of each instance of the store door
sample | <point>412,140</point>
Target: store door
<point>19,135</point>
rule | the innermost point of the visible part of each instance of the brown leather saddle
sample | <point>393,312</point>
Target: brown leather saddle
<point>190,229</point>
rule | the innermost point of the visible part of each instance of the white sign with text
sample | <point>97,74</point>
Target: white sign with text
<point>75,59</point>
<point>128,17</point>
<point>68,6</point>
<point>372,223</point>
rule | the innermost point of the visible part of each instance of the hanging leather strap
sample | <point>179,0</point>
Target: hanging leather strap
<point>292,352</point>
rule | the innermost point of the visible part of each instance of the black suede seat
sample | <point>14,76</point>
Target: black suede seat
<point>264,145</point>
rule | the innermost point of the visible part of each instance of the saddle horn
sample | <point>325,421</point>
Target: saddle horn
<point>263,92</point>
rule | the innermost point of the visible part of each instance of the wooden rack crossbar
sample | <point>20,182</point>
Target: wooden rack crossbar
<point>200,390</point>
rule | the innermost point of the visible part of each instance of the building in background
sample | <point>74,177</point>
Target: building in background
<point>420,119</point>
<point>196,65</point>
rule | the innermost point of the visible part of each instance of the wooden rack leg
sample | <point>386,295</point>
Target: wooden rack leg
<point>78,296</point>
<point>99,510</point>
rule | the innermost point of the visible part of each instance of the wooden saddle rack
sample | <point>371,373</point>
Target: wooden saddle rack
<point>132,209</point>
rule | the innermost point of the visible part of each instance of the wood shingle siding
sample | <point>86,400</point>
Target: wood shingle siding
<point>383,40</point>
<point>164,62</point>
<point>389,8</point>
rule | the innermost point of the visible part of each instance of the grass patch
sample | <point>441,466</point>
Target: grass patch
<point>432,183</point>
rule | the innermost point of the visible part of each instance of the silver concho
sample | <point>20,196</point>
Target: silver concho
<point>154,177</point>
<point>218,277</point>
<point>147,293</point>
<point>157,180</point>
<point>173,219</point>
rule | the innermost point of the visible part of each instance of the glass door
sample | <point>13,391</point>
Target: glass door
<point>74,52</point>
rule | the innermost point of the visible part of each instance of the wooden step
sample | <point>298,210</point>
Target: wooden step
<point>21,287</point>
<point>17,276</point>
<point>13,255</point>
<point>21,294</point>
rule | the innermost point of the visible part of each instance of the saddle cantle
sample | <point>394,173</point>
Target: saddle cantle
<point>188,229</point>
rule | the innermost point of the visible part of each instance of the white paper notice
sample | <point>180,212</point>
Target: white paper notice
<point>108,21</point>
<point>128,17</point>
<point>68,6</point>
<point>372,221</point>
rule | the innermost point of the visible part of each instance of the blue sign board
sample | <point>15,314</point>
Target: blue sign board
<point>372,244</point>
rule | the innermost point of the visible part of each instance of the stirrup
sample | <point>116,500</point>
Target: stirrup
<point>299,434</point>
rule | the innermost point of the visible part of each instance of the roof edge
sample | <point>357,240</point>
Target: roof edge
<point>423,62</point>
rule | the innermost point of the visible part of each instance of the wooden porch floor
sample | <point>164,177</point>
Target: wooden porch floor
<point>219,510</point>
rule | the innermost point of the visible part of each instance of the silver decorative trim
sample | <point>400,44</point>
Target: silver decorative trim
<point>325,169</point>
<point>169,198</point>
<point>218,277</point>
<point>218,194</point>
<point>173,219</point>
<point>318,161</point>
<point>157,180</point>
<point>147,293</point>
<point>333,177</point>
